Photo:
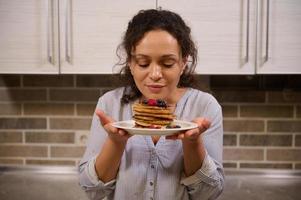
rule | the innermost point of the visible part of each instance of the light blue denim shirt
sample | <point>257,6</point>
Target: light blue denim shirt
<point>155,172</point>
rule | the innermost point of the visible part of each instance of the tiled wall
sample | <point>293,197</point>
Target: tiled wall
<point>45,119</point>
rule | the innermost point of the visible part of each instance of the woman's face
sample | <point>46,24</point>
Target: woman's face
<point>156,65</point>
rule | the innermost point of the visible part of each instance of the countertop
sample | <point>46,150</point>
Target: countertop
<point>48,183</point>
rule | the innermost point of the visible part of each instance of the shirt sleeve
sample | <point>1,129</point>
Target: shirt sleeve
<point>208,181</point>
<point>88,179</point>
<point>205,174</point>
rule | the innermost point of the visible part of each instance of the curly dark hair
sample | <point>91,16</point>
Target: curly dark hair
<point>148,20</point>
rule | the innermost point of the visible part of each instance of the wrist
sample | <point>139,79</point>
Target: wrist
<point>117,143</point>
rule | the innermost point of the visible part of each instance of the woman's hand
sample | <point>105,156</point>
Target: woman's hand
<point>115,134</point>
<point>192,134</point>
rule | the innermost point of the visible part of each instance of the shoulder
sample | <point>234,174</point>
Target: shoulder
<point>203,99</point>
<point>113,94</point>
<point>110,98</point>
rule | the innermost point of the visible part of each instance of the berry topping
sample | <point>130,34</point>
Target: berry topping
<point>161,103</point>
<point>152,102</point>
<point>145,101</point>
<point>173,126</point>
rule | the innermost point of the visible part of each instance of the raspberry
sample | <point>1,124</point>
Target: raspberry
<point>152,102</point>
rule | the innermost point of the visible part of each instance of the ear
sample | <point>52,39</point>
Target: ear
<point>130,65</point>
<point>184,64</point>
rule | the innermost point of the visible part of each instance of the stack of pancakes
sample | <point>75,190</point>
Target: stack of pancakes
<point>151,116</point>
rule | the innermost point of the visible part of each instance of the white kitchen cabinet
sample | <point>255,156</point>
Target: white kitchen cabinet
<point>224,32</point>
<point>279,37</point>
<point>28,36</point>
<point>91,30</point>
<point>233,38</point>
<point>63,36</point>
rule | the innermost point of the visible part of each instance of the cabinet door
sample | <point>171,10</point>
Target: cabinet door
<point>28,36</point>
<point>91,30</point>
<point>279,37</point>
<point>224,32</point>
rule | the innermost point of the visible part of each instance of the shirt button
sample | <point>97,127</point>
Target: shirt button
<point>152,166</point>
<point>151,183</point>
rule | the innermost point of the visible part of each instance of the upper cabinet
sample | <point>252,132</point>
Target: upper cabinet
<point>63,36</point>
<point>224,32</point>
<point>279,37</point>
<point>91,30</point>
<point>28,36</point>
<point>244,36</point>
<point>74,36</point>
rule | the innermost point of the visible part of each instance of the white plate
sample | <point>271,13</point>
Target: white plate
<point>129,127</point>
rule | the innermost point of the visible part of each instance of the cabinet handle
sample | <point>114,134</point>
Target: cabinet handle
<point>50,33</point>
<point>267,32</point>
<point>68,32</point>
<point>247,31</point>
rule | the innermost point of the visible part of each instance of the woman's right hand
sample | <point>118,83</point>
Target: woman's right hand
<point>115,134</point>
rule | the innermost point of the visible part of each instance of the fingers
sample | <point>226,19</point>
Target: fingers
<point>193,134</point>
<point>104,119</point>
<point>203,124</point>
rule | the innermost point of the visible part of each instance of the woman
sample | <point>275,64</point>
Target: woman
<point>187,165</point>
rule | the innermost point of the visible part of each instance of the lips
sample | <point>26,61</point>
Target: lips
<point>155,88</point>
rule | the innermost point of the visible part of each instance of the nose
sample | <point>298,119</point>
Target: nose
<point>155,72</point>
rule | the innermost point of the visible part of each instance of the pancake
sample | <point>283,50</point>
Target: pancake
<point>152,114</point>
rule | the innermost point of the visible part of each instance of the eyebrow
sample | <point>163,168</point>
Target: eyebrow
<point>164,56</point>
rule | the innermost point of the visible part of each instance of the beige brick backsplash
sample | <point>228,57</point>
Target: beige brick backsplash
<point>50,162</point>
<point>230,140</point>
<point>49,137</point>
<point>48,81</point>
<point>17,95</point>
<point>48,109</point>
<point>284,154</point>
<point>10,137</point>
<point>284,125</point>
<point>85,109</point>
<point>10,109</point>
<point>10,81</point>
<point>284,97</point>
<point>242,154</point>
<point>243,125</point>
<point>270,111</point>
<point>265,140</point>
<point>266,165</point>
<point>67,151</point>
<point>70,123</point>
<point>103,80</point>
<point>45,119</point>
<point>11,161</point>
<point>229,165</point>
<point>23,151</point>
<point>298,140</point>
<point>230,111</point>
<point>298,112</point>
<point>74,95</point>
<point>22,123</point>
<point>81,137</point>
<point>239,96</point>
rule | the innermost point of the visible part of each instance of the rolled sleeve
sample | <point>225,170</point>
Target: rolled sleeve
<point>205,174</point>
<point>93,186</point>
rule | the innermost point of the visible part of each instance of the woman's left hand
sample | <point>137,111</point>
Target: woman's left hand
<point>192,134</point>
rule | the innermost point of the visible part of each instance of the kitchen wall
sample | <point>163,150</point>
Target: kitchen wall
<point>45,119</point>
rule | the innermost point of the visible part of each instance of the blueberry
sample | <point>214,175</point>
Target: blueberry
<point>161,103</point>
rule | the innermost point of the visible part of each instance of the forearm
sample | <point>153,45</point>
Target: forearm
<point>194,154</point>
<point>108,161</point>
